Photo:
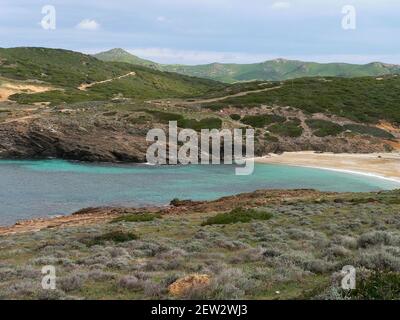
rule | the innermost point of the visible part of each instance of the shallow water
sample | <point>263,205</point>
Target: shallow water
<point>44,188</point>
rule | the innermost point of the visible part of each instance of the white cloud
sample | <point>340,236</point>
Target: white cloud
<point>87,24</point>
<point>281,5</point>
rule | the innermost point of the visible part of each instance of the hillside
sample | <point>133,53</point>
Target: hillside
<point>120,55</point>
<point>366,99</point>
<point>69,72</point>
<point>274,70</point>
<point>64,104</point>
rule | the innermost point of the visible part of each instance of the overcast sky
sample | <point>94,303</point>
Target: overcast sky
<point>204,31</point>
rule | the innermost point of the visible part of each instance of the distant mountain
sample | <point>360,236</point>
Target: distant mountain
<point>278,69</point>
<point>281,69</point>
<point>120,55</point>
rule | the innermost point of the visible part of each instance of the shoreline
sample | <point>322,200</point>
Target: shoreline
<point>384,166</point>
<point>378,165</point>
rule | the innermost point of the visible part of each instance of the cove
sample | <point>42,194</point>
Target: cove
<point>30,189</point>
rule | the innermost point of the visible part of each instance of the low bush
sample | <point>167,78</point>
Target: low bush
<point>206,123</point>
<point>374,238</point>
<point>235,116</point>
<point>381,285</point>
<point>262,120</point>
<point>270,138</point>
<point>323,128</point>
<point>287,129</point>
<point>368,130</point>
<point>238,215</point>
<point>113,236</point>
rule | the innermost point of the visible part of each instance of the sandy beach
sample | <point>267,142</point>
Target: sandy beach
<point>384,165</point>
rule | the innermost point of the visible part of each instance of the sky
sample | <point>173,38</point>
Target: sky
<point>206,31</point>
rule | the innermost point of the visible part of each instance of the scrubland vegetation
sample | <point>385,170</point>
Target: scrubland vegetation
<point>293,249</point>
<point>364,100</point>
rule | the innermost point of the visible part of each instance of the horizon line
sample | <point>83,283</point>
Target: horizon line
<point>93,52</point>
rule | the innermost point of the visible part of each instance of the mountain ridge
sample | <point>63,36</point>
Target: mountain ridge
<point>270,70</point>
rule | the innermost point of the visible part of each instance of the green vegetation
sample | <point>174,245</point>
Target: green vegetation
<point>287,129</point>
<point>67,70</point>
<point>371,131</point>
<point>117,236</point>
<point>58,67</point>
<point>359,99</point>
<point>120,55</point>
<point>270,138</point>
<point>276,70</point>
<point>205,123</point>
<point>381,285</point>
<point>323,128</point>
<point>238,215</point>
<point>298,254</point>
<point>260,121</point>
<point>235,116</point>
<point>137,217</point>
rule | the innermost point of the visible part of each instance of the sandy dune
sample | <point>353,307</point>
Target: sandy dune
<point>386,165</point>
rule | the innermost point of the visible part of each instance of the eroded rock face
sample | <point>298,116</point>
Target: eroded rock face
<point>102,134</point>
<point>41,138</point>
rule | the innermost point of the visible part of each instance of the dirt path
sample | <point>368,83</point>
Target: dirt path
<point>211,100</point>
<point>85,86</point>
<point>240,94</point>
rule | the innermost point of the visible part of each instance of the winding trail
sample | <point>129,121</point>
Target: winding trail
<point>85,86</point>
<point>212,100</point>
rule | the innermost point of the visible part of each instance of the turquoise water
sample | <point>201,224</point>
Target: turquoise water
<point>44,188</point>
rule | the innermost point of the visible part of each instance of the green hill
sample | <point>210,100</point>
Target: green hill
<point>120,55</point>
<point>280,69</point>
<point>364,99</point>
<point>275,70</point>
<point>68,70</point>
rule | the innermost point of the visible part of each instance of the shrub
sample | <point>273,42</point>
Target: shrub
<point>136,217</point>
<point>318,266</point>
<point>287,129</point>
<point>71,283</point>
<point>153,290</point>
<point>113,236</point>
<point>235,116</point>
<point>206,123</point>
<point>238,215</point>
<point>322,128</point>
<point>260,121</point>
<point>381,285</point>
<point>377,238</point>
<point>270,138</point>
<point>379,260</point>
<point>368,130</point>
<point>131,283</point>
<point>99,275</point>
